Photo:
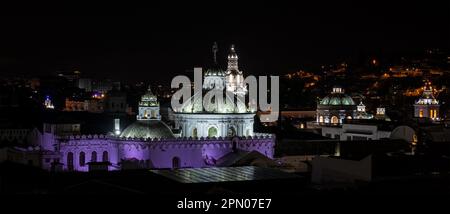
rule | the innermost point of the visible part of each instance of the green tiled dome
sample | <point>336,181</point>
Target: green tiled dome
<point>147,129</point>
<point>337,99</point>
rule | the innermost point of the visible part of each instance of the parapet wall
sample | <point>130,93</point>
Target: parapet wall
<point>256,136</point>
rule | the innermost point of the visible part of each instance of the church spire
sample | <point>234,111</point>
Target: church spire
<point>232,61</point>
<point>215,48</point>
<point>234,77</point>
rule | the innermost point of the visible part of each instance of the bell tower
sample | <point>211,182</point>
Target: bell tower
<point>234,77</point>
<point>149,106</point>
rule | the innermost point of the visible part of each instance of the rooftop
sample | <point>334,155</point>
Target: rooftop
<point>223,174</point>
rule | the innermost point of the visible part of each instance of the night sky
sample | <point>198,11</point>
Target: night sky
<point>154,42</point>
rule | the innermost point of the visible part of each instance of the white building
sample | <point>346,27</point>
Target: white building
<point>356,132</point>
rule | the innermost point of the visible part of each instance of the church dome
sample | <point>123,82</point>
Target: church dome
<point>337,98</point>
<point>147,129</point>
<point>227,105</point>
<point>215,71</point>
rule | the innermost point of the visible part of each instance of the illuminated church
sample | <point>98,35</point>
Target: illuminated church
<point>208,133</point>
<point>427,106</point>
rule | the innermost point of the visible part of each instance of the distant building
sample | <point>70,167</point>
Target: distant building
<point>116,102</point>
<point>335,107</point>
<point>356,132</point>
<point>48,103</point>
<point>103,86</point>
<point>381,114</point>
<point>90,105</point>
<point>71,76</point>
<point>361,112</point>
<point>427,106</point>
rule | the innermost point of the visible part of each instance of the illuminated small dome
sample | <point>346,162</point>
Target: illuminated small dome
<point>149,99</point>
<point>336,107</point>
<point>147,129</point>
<point>336,99</point>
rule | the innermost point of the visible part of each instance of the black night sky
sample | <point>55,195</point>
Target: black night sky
<point>154,42</point>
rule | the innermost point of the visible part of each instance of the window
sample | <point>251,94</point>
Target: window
<point>82,158</point>
<point>105,157</point>
<point>336,136</point>
<point>212,132</point>
<point>231,131</point>
<point>194,132</point>
<point>433,113</point>
<point>349,138</point>
<point>94,156</point>
<point>175,162</point>
<point>321,119</point>
<point>334,120</point>
<point>421,113</point>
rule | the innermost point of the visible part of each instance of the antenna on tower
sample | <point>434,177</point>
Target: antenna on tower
<point>215,48</point>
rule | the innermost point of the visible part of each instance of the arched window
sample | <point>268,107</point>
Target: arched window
<point>70,161</point>
<point>94,156</point>
<point>175,162</point>
<point>321,119</point>
<point>82,159</point>
<point>334,120</point>
<point>212,132</point>
<point>194,132</point>
<point>105,157</point>
<point>232,131</point>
